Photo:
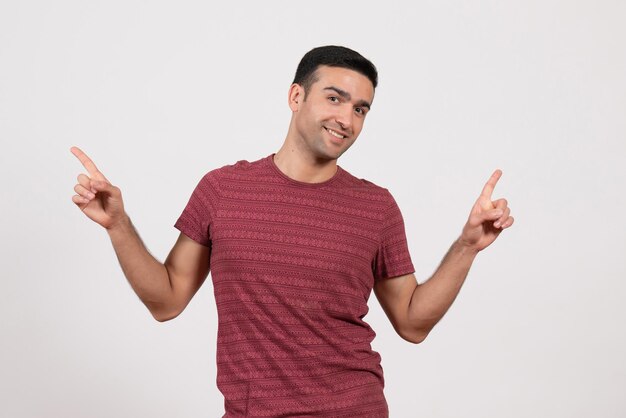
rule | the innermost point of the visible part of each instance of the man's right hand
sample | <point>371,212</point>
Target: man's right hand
<point>96,196</point>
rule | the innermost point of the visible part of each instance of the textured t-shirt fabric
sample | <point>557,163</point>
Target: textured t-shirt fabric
<point>293,265</point>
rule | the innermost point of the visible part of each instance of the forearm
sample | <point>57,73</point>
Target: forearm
<point>432,299</point>
<point>147,276</point>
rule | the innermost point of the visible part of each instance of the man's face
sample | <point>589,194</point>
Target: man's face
<point>331,118</point>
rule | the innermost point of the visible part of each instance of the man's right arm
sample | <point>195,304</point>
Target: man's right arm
<point>165,288</point>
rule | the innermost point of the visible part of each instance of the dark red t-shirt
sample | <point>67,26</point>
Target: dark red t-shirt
<point>293,265</point>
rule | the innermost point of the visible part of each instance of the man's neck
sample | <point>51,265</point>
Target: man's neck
<point>302,168</point>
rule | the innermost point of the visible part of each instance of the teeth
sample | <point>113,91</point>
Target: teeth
<point>333,133</point>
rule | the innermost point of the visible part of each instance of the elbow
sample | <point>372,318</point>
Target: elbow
<point>163,314</point>
<point>419,338</point>
<point>162,318</point>
<point>416,336</point>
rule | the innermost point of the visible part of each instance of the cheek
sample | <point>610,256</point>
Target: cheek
<point>358,124</point>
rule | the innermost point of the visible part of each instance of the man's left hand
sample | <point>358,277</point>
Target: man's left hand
<point>487,219</point>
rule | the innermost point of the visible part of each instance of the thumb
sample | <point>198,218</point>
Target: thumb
<point>478,218</point>
<point>492,215</point>
<point>102,186</point>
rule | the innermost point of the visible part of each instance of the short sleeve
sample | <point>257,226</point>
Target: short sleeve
<point>392,257</point>
<point>196,220</point>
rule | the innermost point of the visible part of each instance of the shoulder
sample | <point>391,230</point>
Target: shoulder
<point>373,191</point>
<point>235,169</point>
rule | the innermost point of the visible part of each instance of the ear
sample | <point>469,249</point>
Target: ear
<point>296,96</point>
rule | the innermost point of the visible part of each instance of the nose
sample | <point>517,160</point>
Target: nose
<point>344,118</point>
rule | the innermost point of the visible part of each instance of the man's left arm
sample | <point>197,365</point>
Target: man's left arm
<point>415,309</point>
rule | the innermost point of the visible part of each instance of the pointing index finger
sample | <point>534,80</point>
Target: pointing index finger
<point>85,160</point>
<point>491,184</point>
<point>87,163</point>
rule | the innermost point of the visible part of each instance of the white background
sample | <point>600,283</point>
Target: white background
<point>158,93</point>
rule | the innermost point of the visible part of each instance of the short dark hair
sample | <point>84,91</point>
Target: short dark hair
<point>332,56</point>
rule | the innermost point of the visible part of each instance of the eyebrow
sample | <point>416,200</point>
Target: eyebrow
<point>344,94</point>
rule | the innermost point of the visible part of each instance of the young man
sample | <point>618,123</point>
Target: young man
<point>295,245</point>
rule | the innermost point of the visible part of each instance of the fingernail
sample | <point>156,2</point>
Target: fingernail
<point>94,190</point>
<point>496,224</point>
<point>91,195</point>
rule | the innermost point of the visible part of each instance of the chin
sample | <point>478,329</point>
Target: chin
<point>335,155</point>
<point>327,155</point>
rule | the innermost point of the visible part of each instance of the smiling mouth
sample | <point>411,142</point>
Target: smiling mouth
<point>335,133</point>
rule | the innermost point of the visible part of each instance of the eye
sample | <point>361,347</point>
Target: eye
<point>361,111</point>
<point>334,99</point>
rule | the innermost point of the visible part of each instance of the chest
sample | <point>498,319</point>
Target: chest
<point>327,235</point>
